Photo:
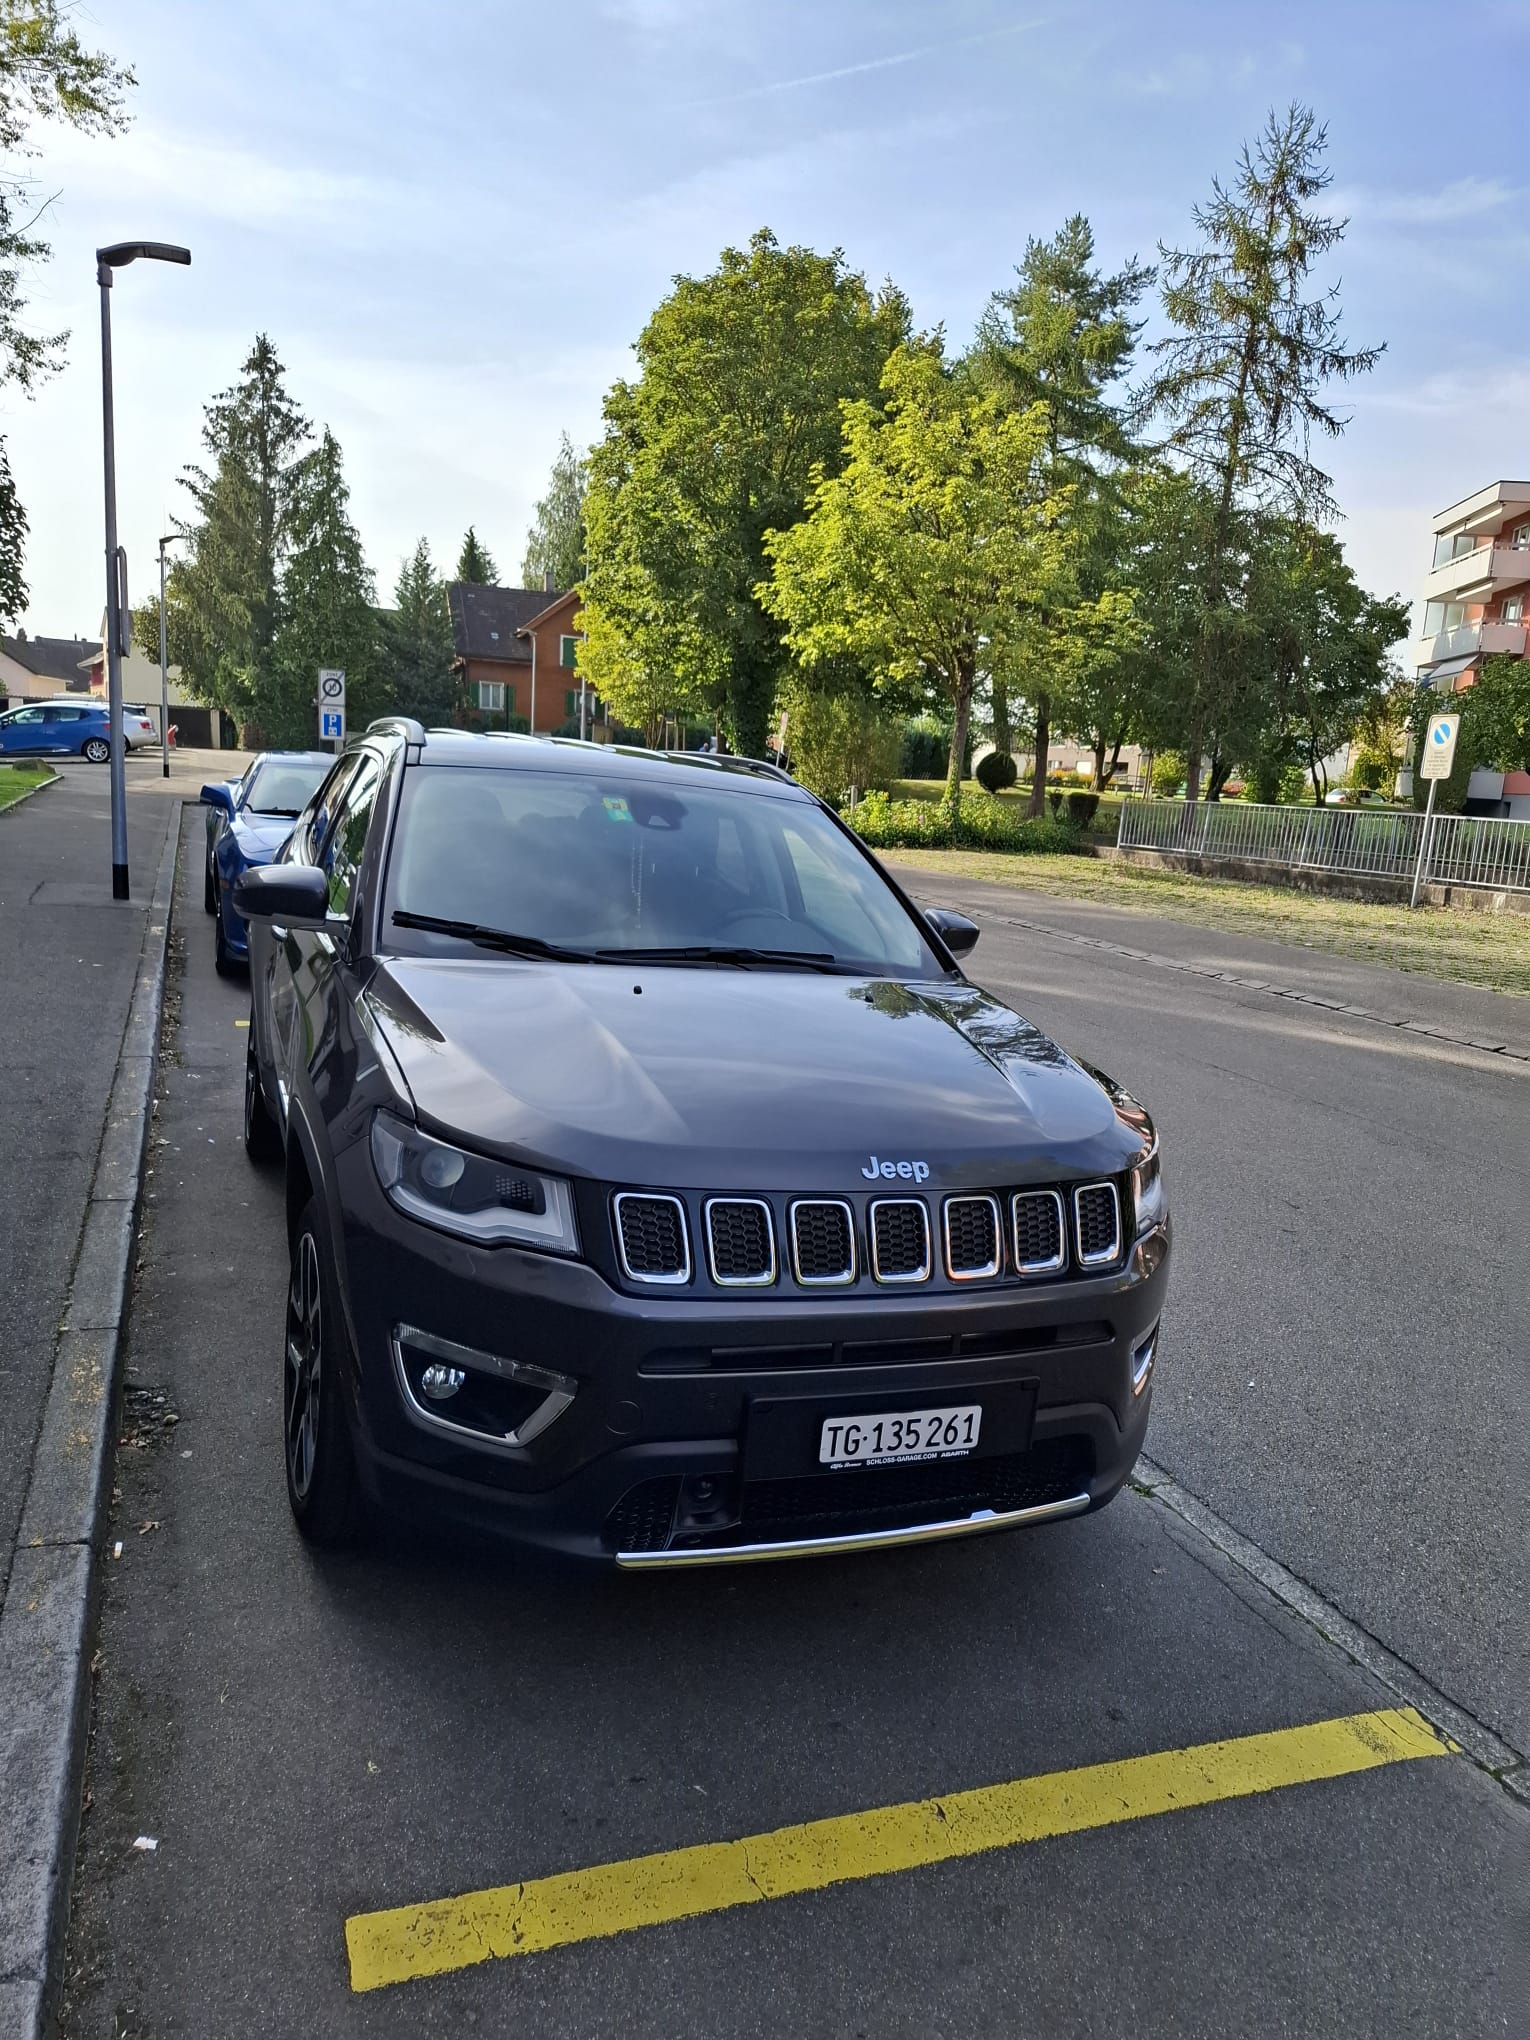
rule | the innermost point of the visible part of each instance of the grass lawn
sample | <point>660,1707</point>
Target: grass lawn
<point>15,780</point>
<point>1459,946</point>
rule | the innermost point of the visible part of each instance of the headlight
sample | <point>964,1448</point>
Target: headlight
<point>480,1199</point>
<point>1148,1201</point>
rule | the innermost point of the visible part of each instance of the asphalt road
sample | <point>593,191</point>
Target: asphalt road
<point>307,1740</point>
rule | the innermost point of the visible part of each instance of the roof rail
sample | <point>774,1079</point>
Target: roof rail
<point>406,726</point>
<point>726,760</point>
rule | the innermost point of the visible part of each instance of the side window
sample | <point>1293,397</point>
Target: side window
<point>313,828</point>
<point>342,856</point>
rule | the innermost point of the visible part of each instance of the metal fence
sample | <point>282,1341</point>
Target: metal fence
<point>1463,849</point>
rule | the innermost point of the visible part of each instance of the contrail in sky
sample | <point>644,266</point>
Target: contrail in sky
<point>871,64</point>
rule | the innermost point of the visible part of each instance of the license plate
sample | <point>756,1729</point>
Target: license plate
<point>888,1435</point>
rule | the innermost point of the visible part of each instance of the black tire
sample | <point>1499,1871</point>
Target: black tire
<point>224,964</point>
<point>262,1135</point>
<point>209,889</point>
<point>96,749</point>
<point>322,1488</point>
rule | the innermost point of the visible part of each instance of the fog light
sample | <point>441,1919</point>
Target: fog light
<point>1143,1357</point>
<point>439,1382</point>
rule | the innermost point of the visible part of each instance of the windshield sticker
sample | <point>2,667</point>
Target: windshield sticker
<point>616,808</point>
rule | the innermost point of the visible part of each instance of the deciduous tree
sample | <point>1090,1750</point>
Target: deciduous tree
<point>555,543</point>
<point>736,401</point>
<point>935,549</point>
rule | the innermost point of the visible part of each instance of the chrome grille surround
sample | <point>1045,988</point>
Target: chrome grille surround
<point>883,1215</point>
<point>1097,1218</point>
<point>635,1217</point>
<point>1031,1228</point>
<point>969,1215</point>
<point>814,1212</point>
<point>729,1212</point>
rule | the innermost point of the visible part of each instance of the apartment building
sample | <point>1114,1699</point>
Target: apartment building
<point>1477,601</point>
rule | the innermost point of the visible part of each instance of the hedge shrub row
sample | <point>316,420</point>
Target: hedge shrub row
<point>981,823</point>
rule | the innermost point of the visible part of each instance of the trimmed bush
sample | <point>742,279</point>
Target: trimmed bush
<point>1082,808</point>
<point>1168,774</point>
<point>997,771</point>
<point>840,740</point>
<point>982,823</point>
<point>926,749</point>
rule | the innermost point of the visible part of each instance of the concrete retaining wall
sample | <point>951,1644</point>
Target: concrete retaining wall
<point>1345,885</point>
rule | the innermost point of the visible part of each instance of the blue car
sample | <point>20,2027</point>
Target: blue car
<point>43,729</point>
<point>248,820</point>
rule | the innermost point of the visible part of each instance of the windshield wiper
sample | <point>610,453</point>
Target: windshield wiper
<point>285,813</point>
<point>491,938</point>
<point>741,958</point>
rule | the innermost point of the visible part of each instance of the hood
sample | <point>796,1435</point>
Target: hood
<point>728,1079</point>
<point>260,836</point>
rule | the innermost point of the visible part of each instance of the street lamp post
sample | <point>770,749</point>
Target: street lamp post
<point>164,670</point>
<point>107,259</point>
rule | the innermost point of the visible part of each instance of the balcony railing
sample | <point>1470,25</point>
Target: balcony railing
<point>1464,850</point>
<point>1472,574</point>
<point>1467,640</point>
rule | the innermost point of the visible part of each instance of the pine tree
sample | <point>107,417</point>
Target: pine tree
<point>224,595</point>
<point>1240,382</point>
<point>328,617</point>
<point>555,543</point>
<point>13,533</point>
<point>475,562</point>
<point>1063,337</point>
<point>417,637</point>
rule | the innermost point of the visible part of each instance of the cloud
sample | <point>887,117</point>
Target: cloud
<point>1192,74</point>
<point>1465,198</point>
<point>887,63</point>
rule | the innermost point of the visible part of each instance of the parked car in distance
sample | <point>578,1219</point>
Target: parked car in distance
<point>53,729</point>
<point>1349,796</point>
<point>248,820</point>
<point>660,1191</point>
<point>137,730</point>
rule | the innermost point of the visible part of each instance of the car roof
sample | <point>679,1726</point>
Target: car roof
<point>62,701</point>
<point>294,757</point>
<point>502,749</point>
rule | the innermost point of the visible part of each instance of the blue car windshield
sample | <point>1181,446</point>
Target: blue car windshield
<point>281,786</point>
<point>612,863</point>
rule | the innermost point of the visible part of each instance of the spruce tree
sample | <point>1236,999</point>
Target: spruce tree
<point>224,607</point>
<point>417,637</point>
<point>328,617</point>
<point>13,533</point>
<point>1063,336</point>
<point>475,562</point>
<point>1240,383</point>
<point>555,543</point>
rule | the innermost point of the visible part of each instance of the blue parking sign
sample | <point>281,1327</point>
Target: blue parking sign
<point>332,724</point>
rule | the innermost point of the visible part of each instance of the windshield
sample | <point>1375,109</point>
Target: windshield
<point>281,786</point>
<point>613,864</point>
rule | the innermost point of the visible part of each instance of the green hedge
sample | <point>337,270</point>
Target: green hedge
<point>982,823</point>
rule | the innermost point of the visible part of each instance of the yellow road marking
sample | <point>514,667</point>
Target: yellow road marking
<point>612,1898</point>
<point>241,1023</point>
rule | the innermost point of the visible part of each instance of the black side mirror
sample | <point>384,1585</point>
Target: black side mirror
<point>218,796</point>
<point>295,894</point>
<point>955,930</point>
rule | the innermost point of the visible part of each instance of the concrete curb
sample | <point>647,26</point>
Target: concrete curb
<point>48,1617</point>
<point>54,779</point>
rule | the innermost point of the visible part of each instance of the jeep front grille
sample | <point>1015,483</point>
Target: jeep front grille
<point>972,1238</point>
<point>1041,1245</point>
<point>741,1241</point>
<point>651,1236</point>
<point>823,1242</point>
<point>900,1240</point>
<point>1097,1214</point>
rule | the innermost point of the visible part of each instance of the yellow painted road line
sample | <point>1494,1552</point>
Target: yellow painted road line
<point>612,1898</point>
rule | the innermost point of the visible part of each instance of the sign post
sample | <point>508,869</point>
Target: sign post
<point>1439,755</point>
<point>332,707</point>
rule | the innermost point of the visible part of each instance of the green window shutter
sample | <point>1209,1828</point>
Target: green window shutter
<point>571,704</point>
<point>568,651</point>
<point>510,701</point>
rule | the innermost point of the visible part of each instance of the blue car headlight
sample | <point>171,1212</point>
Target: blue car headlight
<point>492,1203</point>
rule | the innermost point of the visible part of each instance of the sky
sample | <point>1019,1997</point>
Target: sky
<point>453,221</point>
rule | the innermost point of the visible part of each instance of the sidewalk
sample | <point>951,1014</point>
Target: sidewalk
<point>69,957</point>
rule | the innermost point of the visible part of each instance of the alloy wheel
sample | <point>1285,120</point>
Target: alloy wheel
<point>305,1350</point>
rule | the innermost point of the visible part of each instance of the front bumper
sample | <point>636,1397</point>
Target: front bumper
<point>650,1463</point>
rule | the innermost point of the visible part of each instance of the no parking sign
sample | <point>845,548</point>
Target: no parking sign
<point>332,704</point>
<point>1440,746</point>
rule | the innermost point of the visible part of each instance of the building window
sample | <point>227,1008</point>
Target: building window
<point>1519,538</point>
<point>568,651</point>
<point>1514,609</point>
<point>491,696</point>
